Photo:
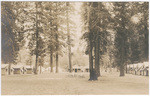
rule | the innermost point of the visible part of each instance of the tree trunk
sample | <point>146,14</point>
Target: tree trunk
<point>126,69</point>
<point>123,57</point>
<point>93,71</point>
<point>90,60</point>
<point>51,61</point>
<point>146,35</point>
<point>40,70</point>
<point>57,42</point>
<point>90,44</point>
<point>9,69</point>
<point>122,73</point>
<point>69,43</point>
<point>97,53</point>
<point>57,63</point>
<point>97,68</point>
<point>90,49</point>
<point>35,70</point>
<point>70,64</point>
<point>122,70</point>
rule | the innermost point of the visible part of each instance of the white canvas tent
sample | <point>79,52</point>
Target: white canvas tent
<point>146,69</point>
<point>17,69</point>
<point>85,68</point>
<point>135,69</point>
<point>4,69</point>
<point>41,69</point>
<point>28,69</point>
<point>146,64</point>
<point>139,68</point>
<point>77,68</point>
<point>131,68</point>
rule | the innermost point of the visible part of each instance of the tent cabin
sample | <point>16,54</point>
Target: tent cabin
<point>131,70</point>
<point>28,69</point>
<point>4,69</point>
<point>86,69</point>
<point>135,69</point>
<point>48,69</point>
<point>146,69</point>
<point>42,69</point>
<point>141,70</point>
<point>77,69</point>
<point>128,68</point>
<point>140,67</point>
<point>17,69</point>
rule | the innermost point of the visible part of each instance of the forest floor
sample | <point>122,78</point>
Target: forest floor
<point>77,84</point>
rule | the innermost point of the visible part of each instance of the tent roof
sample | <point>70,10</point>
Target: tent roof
<point>135,65</point>
<point>131,65</point>
<point>28,66</point>
<point>140,64</point>
<point>17,66</point>
<point>146,63</point>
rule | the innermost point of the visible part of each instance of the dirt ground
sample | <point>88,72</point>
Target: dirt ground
<point>74,84</point>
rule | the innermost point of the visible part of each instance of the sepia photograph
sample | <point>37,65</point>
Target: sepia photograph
<point>74,48</point>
